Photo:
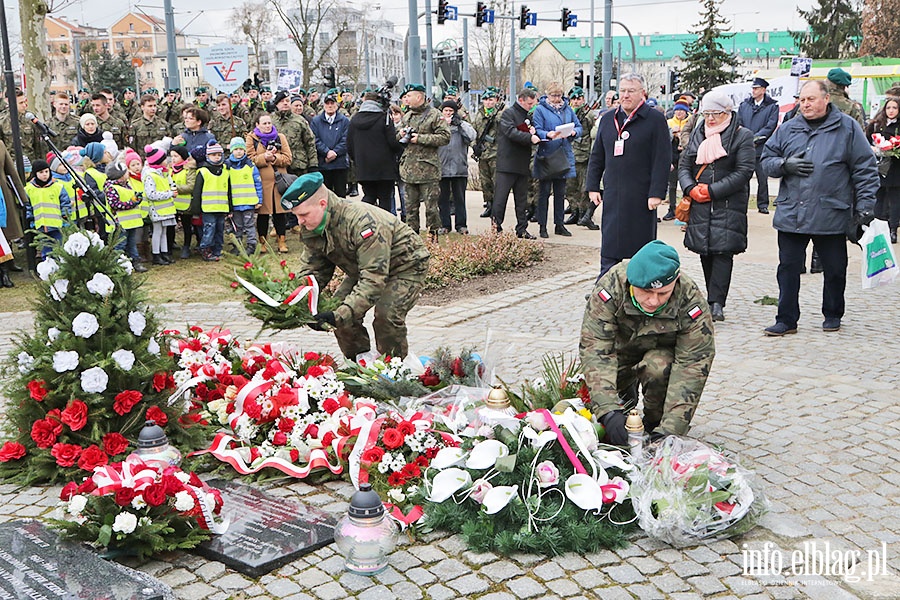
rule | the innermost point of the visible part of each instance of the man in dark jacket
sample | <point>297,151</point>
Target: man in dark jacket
<point>759,114</point>
<point>330,128</point>
<point>632,155</point>
<point>827,192</point>
<point>372,145</point>
<point>515,137</point>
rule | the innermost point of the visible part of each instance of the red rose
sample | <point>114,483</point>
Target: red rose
<point>328,438</point>
<point>248,265</point>
<point>315,371</point>
<point>252,409</point>
<point>43,433</point>
<point>311,430</point>
<point>155,494</point>
<point>54,419</point>
<point>330,405</point>
<point>87,486</point>
<point>373,455</point>
<point>311,356</point>
<point>285,424</point>
<point>456,367</point>
<point>68,491</point>
<point>92,457</point>
<point>283,263</point>
<point>429,378</point>
<point>75,415</point>
<point>292,276</point>
<point>406,428</point>
<point>11,451</point>
<point>36,390</point>
<point>392,438</point>
<point>396,480</point>
<point>65,454</point>
<point>126,400</point>
<point>124,496</point>
<point>159,381</point>
<point>279,439</point>
<point>295,455</point>
<point>155,413</point>
<point>234,285</point>
<point>114,443</point>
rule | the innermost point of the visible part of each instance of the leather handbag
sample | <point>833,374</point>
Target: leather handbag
<point>683,208</point>
<point>553,165</point>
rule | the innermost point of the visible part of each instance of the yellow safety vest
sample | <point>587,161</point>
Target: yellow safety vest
<point>100,178</point>
<point>138,186</point>
<point>243,190</point>
<point>215,192</point>
<point>45,204</point>
<point>79,209</point>
<point>164,208</point>
<point>131,218</point>
<point>182,201</point>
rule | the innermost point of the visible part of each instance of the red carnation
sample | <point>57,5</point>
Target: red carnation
<point>65,454</point>
<point>315,371</point>
<point>68,491</point>
<point>311,356</point>
<point>124,496</point>
<point>114,443</point>
<point>456,367</point>
<point>75,415</point>
<point>36,390</point>
<point>406,428</point>
<point>285,424</point>
<point>248,265</point>
<point>396,479</point>
<point>87,486</point>
<point>431,452</point>
<point>373,455</point>
<point>172,484</point>
<point>328,438</point>
<point>43,433</point>
<point>429,378</point>
<point>295,455</point>
<point>254,454</point>
<point>252,409</point>
<point>279,439</point>
<point>330,405</point>
<point>92,457</point>
<point>311,430</point>
<point>155,413</point>
<point>195,329</point>
<point>11,451</point>
<point>160,380</point>
<point>126,400</point>
<point>155,494</point>
<point>392,438</point>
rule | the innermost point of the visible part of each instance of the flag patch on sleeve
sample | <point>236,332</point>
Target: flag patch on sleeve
<point>604,295</point>
<point>366,233</point>
<point>695,312</point>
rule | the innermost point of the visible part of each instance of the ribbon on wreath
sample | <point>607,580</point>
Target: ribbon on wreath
<point>132,473</point>
<point>206,519</point>
<point>222,450</point>
<point>310,291</point>
<point>414,514</point>
<point>573,458</point>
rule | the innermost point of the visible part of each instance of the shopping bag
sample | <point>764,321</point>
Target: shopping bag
<point>879,265</point>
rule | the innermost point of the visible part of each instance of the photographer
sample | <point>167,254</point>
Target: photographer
<point>454,168</point>
<point>372,145</point>
<point>330,129</point>
<point>269,151</point>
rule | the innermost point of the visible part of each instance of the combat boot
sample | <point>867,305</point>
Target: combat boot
<point>587,219</point>
<point>574,215</point>
<point>282,244</point>
<point>5,281</point>
<point>815,265</point>
<point>486,214</point>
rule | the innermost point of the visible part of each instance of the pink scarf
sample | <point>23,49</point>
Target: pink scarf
<point>711,149</point>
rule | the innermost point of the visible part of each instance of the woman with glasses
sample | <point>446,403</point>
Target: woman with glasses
<point>715,171</point>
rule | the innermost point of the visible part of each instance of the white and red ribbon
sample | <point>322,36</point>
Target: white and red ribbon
<point>309,291</point>
<point>221,449</point>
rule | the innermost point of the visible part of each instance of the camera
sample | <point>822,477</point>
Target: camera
<point>274,146</point>
<point>407,135</point>
<point>384,92</point>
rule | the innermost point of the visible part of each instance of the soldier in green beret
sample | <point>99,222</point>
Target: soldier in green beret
<point>646,325</point>
<point>485,121</point>
<point>383,260</point>
<point>837,82</point>
<point>202,99</point>
<point>581,206</point>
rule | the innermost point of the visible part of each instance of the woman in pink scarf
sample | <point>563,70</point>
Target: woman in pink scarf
<point>715,171</point>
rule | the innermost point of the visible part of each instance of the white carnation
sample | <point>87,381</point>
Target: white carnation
<point>96,240</point>
<point>77,504</point>
<point>85,325</point>
<point>77,244</point>
<point>46,268</point>
<point>94,380</point>
<point>136,322</point>
<point>153,347</point>
<point>65,361</point>
<point>182,477</point>
<point>100,284</point>
<point>53,334</point>
<point>26,361</point>
<point>125,521</point>
<point>125,263</point>
<point>59,289</point>
<point>183,501</point>
<point>124,358</point>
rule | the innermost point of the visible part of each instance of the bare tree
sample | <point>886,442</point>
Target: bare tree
<point>305,20</point>
<point>880,21</point>
<point>491,57</point>
<point>256,26</point>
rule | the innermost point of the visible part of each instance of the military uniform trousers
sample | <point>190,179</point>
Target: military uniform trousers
<point>423,193</point>
<point>486,169</point>
<point>577,196</point>
<point>651,370</point>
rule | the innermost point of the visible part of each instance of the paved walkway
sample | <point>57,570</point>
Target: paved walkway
<point>815,414</point>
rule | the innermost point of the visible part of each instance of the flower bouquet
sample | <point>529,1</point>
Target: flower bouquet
<point>385,378</point>
<point>135,508</point>
<point>278,299</point>
<point>548,488</point>
<point>560,380</point>
<point>446,368</point>
<point>689,491</point>
<point>887,146</point>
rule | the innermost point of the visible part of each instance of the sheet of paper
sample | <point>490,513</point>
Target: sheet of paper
<point>565,130</point>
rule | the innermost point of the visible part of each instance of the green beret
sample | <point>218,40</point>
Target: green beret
<point>653,266</point>
<point>488,94</point>
<point>173,91</point>
<point>202,90</point>
<point>576,92</point>
<point>152,91</point>
<point>301,91</point>
<point>453,90</point>
<point>128,88</point>
<point>840,77</point>
<point>265,88</point>
<point>85,90</point>
<point>254,87</point>
<point>414,87</point>
<point>302,188</point>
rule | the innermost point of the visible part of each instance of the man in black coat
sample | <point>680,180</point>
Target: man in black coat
<point>632,155</point>
<point>373,147</point>
<point>515,137</point>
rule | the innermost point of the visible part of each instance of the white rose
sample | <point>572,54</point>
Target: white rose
<point>53,334</point>
<point>65,361</point>
<point>96,240</point>
<point>94,380</point>
<point>77,504</point>
<point>136,322</point>
<point>46,268</point>
<point>125,521</point>
<point>537,421</point>
<point>153,347</point>
<point>183,501</point>
<point>77,244</point>
<point>100,284</point>
<point>85,325</point>
<point>396,494</point>
<point>124,358</point>
<point>59,289</point>
<point>125,263</point>
<point>26,361</point>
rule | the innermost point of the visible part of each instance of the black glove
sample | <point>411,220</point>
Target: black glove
<point>797,165</point>
<point>322,319</point>
<point>614,422</point>
<point>855,229</point>
<point>759,139</point>
<point>864,218</point>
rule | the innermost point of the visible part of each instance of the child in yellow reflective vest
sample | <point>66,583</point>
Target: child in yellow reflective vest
<point>246,195</point>
<point>184,174</point>
<point>212,200</point>
<point>126,204</point>
<point>159,192</point>
<point>94,164</point>
<point>48,204</point>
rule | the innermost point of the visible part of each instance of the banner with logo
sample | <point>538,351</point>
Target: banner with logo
<point>225,66</point>
<point>289,79</point>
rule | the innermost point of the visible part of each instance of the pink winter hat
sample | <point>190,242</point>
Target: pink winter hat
<point>131,155</point>
<point>155,156</point>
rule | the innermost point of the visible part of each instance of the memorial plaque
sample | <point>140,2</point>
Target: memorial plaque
<point>265,531</point>
<point>35,564</point>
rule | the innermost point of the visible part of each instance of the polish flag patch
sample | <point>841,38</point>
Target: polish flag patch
<point>695,312</point>
<point>366,233</point>
<point>604,295</point>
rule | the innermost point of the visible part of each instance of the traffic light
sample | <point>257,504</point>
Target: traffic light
<point>442,12</point>
<point>565,18</point>
<point>479,14</point>
<point>579,78</point>
<point>330,80</point>
<point>523,18</point>
<point>674,80</point>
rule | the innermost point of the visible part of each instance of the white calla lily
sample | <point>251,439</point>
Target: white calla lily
<point>448,457</point>
<point>497,498</point>
<point>612,458</point>
<point>539,440</point>
<point>485,454</point>
<point>585,492</point>
<point>448,482</point>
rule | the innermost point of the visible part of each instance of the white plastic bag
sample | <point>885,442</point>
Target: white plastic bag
<point>879,265</point>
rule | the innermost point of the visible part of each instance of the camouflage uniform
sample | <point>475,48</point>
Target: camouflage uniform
<point>32,145</point>
<point>250,111</point>
<point>171,114</point>
<point>575,192</point>
<point>669,354</point>
<point>145,132</point>
<point>67,129</point>
<point>224,129</point>
<point>301,140</point>
<point>384,264</point>
<point>309,112</point>
<point>848,106</point>
<point>487,163</point>
<point>420,167</point>
<point>117,127</point>
<point>129,111</point>
<point>83,106</point>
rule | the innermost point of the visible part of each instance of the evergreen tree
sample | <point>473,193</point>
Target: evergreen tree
<point>880,24</point>
<point>83,383</point>
<point>707,63</point>
<point>835,30</point>
<point>108,71</point>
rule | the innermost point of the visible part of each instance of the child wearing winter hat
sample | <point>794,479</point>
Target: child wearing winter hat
<point>184,174</point>
<point>48,203</point>
<point>246,195</point>
<point>125,204</point>
<point>212,198</point>
<point>159,190</point>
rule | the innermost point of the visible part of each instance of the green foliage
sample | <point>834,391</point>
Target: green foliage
<point>101,69</point>
<point>835,29</point>
<point>464,257</point>
<point>707,64</point>
<point>561,379</point>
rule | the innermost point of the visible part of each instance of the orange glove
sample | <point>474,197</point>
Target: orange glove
<point>700,193</point>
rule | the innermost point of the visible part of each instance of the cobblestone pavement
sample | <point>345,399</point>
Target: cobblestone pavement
<point>815,414</point>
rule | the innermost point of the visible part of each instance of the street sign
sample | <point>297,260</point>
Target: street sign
<point>531,19</point>
<point>489,16</point>
<point>452,13</point>
<point>573,20</point>
<point>136,63</point>
<point>225,66</point>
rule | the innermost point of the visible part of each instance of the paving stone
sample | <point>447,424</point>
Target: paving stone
<point>498,596</point>
<point>590,579</point>
<point>177,577</point>
<point>646,592</point>
<point>469,584</point>
<point>440,592</point>
<point>624,574</point>
<point>646,565</point>
<point>525,587</point>
<point>448,569</point>
<point>402,560</point>
<point>330,591</point>
<point>379,592</point>
<point>430,554</point>
<point>351,581</point>
<point>314,577</point>
<point>669,583</point>
<point>389,576</point>
<point>548,571</point>
<point>564,587</point>
<point>707,585</point>
<point>406,590</point>
<point>688,568</point>
<point>479,558</point>
<point>210,571</point>
<point>420,576</point>
<point>702,555</point>
<point>501,570</point>
<point>281,588</point>
<point>195,591</point>
<point>614,593</point>
<point>602,558</point>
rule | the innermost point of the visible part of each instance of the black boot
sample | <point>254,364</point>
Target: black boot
<point>573,217</point>
<point>561,230</point>
<point>587,219</point>
<point>894,235</point>
<point>718,312</point>
<point>5,281</point>
<point>157,260</point>
<point>815,266</point>
<point>166,257</point>
<point>543,232</point>
<point>486,214</point>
